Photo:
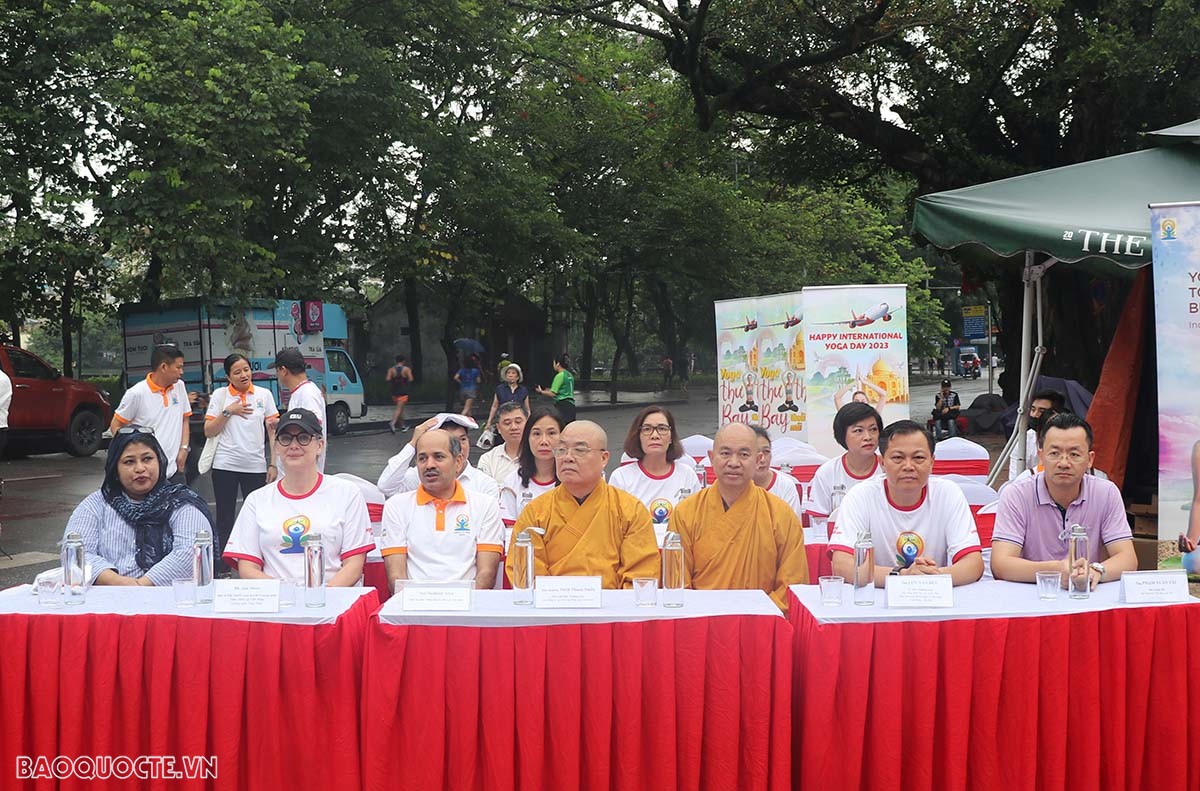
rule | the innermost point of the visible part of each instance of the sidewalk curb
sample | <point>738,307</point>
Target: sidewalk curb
<point>383,425</point>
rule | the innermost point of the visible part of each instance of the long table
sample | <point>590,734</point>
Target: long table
<point>273,697</point>
<point>506,697</point>
<point>1004,691</point>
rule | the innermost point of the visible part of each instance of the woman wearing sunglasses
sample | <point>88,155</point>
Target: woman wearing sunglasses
<point>139,529</point>
<point>275,522</point>
<point>655,478</point>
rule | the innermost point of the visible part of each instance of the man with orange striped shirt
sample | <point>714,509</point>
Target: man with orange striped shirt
<point>161,402</point>
<point>441,531</point>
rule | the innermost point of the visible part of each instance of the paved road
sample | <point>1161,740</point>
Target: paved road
<point>41,491</point>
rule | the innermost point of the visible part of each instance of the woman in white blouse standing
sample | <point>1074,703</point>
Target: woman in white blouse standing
<point>238,420</point>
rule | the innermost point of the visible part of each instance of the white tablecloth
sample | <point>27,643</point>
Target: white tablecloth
<point>988,598</point>
<point>495,608</point>
<point>138,600</point>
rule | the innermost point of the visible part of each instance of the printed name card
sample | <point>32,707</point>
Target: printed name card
<point>920,590</point>
<point>566,592</point>
<point>1154,587</point>
<point>246,596</point>
<point>452,596</point>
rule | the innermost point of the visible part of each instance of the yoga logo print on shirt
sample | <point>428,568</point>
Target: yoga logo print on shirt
<point>294,530</point>
<point>909,546</point>
<point>462,524</point>
<point>660,510</point>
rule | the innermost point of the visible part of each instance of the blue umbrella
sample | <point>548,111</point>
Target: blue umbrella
<point>469,346</point>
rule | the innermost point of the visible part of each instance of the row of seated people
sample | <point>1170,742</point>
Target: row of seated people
<point>441,523</point>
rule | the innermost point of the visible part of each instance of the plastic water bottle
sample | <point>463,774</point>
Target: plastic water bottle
<point>314,571</point>
<point>74,568</point>
<point>672,570</point>
<point>864,570</point>
<point>202,565</point>
<point>701,475</point>
<point>1077,547</point>
<point>835,503</point>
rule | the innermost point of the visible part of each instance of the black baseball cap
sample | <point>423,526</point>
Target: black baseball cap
<point>291,359</point>
<point>945,383</point>
<point>303,418</point>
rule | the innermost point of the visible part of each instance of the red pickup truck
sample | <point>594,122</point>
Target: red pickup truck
<point>51,412</point>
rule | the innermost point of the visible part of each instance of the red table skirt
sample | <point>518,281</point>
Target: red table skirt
<point>278,705</point>
<point>375,576</point>
<point>698,703</point>
<point>818,562</point>
<point>1094,700</point>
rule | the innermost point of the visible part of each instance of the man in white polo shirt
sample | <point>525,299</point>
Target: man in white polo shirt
<point>441,531</point>
<point>399,476</point>
<point>918,524</point>
<point>160,401</point>
<point>501,461</point>
<point>292,372</point>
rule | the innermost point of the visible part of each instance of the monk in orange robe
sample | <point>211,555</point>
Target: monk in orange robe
<point>735,534</point>
<point>591,528</point>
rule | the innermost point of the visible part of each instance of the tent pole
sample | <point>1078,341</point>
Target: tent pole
<point>1031,358</point>
<point>1030,282</point>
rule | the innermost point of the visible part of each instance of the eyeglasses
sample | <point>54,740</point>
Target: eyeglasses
<point>561,452</point>
<point>287,438</point>
<point>136,430</point>
<point>650,431</point>
<point>1053,456</point>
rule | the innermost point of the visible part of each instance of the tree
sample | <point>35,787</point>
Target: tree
<point>946,93</point>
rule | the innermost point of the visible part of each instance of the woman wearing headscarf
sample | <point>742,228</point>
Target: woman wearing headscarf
<point>139,529</point>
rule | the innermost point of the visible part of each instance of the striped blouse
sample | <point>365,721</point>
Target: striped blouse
<point>110,544</point>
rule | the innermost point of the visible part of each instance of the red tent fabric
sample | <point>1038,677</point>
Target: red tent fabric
<point>1111,413</point>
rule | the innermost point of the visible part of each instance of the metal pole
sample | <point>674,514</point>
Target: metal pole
<point>1026,353</point>
<point>991,368</point>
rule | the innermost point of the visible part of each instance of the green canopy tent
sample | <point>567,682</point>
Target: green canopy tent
<point>1093,214</point>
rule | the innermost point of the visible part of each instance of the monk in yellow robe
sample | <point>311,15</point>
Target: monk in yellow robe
<point>735,534</point>
<point>591,528</point>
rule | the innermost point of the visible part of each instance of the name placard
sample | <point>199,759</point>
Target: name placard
<point>436,598</point>
<point>920,590</point>
<point>566,592</point>
<point>1154,587</point>
<point>245,595</point>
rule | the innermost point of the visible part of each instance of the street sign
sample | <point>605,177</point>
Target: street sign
<point>974,321</point>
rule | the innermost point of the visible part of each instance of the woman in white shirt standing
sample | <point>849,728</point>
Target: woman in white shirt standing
<point>655,478</point>
<point>238,419</point>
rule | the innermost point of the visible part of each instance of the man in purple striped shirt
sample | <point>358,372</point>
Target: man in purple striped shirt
<point>1036,513</point>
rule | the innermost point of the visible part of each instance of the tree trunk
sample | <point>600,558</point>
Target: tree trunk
<point>152,284</point>
<point>14,324</point>
<point>412,307</point>
<point>668,323</point>
<point>590,308</point>
<point>451,360</point>
<point>65,306</point>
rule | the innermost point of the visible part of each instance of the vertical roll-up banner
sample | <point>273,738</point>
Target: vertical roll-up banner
<point>760,361</point>
<point>1175,235</point>
<point>856,346</point>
